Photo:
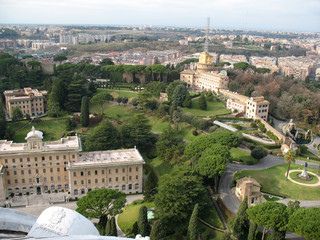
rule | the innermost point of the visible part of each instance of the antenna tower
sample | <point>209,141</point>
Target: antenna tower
<point>206,45</point>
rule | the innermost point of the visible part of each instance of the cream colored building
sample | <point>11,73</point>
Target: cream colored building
<point>257,106</point>
<point>234,104</point>
<point>248,187</point>
<point>213,81</point>
<point>30,101</point>
<point>38,167</point>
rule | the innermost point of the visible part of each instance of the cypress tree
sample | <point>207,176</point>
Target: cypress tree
<point>202,102</point>
<point>113,227</point>
<point>241,223</point>
<point>193,231</point>
<point>84,120</point>
<point>108,228</point>
<point>149,188</point>
<point>143,224</point>
<point>102,224</point>
<point>252,231</point>
<point>158,231</point>
<point>187,101</point>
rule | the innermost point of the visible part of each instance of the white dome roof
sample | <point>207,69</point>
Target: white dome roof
<point>34,134</point>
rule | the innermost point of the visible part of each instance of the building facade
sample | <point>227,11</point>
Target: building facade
<point>29,101</point>
<point>213,81</point>
<point>257,106</point>
<point>38,167</point>
<point>248,187</point>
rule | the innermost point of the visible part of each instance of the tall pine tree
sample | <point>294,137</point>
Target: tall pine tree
<point>150,187</point>
<point>113,227</point>
<point>143,224</point>
<point>84,120</point>
<point>193,231</point>
<point>108,228</point>
<point>241,223</point>
<point>158,231</point>
<point>202,102</point>
<point>252,231</point>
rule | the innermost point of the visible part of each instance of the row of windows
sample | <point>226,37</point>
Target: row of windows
<point>45,188</point>
<point>264,110</point>
<point>36,159</point>
<point>37,180</point>
<point>123,188</point>
<point>102,171</point>
<point>35,99</point>
<point>103,180</point>
<point>36,171</point>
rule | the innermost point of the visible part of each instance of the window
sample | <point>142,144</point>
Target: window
<point>51,169</point>
<point>83,191</point>
<point>95,172</point>
<point>59,186</point>
<point>130,169</point>
<point>29,171</point>
<point>22,180</point>
<point>88,173</point>
<point>130,186</point>
<point>57,157</point>
<point>136,186</point>
<point>116,179</point>
<point>123,170</point>
<point>22,172</point>
<point>45,188</point>
<point>64,157</point>
<point>44,170</point>
<point>137,169</point>
<point>44,179</point>
<point>50,157</point>
<point>73,156</point>
<point>109,171</point>
<point>110,179</point>
<point>82,182</point>
<point>74,174</point>
<point>21,160</point>
<point>137,176</point>
<point>96,180</point>
<point>89,181</point>
<point>103,180</point>
<point>28,159</point>
<point>14,172</point>
<point>16,181</point>
<point>130,178</point>
<point>66,186</point>
<point>30,180</point>
<point>102,172</point>
<point>123,178</point>
<point>9,182</point>
<point>123,187</point>
<point>13,160</point>
<point>37,171</point>
<point>35,159</point>
<point>51,178</point>
<point>59,178</point>
<point>75,182</point>
<point>116,170</point>
<point>75,192</point>
<point>6,160</point>
<point>81,173</point>
<point>43,158</point>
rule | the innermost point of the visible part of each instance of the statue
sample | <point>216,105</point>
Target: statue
<point>304,175</point>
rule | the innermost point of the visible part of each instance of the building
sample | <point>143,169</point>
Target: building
<point>213,81</point>
<point>30,101</point>
<point>236,106</point>
<point>41,167</point>
<point>205,63</point>
<point>248,187</point>
<point>257,106</point>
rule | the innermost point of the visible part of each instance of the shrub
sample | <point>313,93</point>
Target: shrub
<point>253,125</point>
<point>272,136</point>
<point>237,126</point>
<point>262,127</point>
<point>195,132</point>
<point>258,152</point>
<point>213,128</point>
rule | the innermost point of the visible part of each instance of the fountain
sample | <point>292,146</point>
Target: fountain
<point>304,175</point>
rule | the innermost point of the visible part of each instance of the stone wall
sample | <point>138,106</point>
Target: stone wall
<point>230,94</point>
<point>271,129</point>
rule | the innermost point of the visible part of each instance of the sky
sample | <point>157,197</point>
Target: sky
<point>282,15</point>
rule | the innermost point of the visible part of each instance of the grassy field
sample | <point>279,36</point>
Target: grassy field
<point>52,130</point>
<point>240,155</point>
<point>130,215</point>
<point>161,167</point>
<point>293,175</point>
<point>213,216</point>
<point>213,108</point>
<point>273,181</point>
<point>116,93</point>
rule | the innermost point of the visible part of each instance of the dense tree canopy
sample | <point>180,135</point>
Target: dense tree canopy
<point>101,202</point>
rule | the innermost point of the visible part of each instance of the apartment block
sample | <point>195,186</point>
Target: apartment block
<point>30,101</point>
<point>257,106</point>
<point>213,81</point>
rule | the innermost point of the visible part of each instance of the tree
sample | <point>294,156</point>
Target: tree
<point>249,89</point>
<point>162,110</point>
<point>137,132</point>
<point>106,61</point>
<point>157,231</point>
<point>113,227</point>
<point>108,228</point>
<point>150,187</point>
<point>226,138</point>
<point>193,231</point>
<point>76,91</point>
<point>155,88</point>
<point>125,100</point>
<point>33,64</point>
<point>143,97</point>
<point>170,89</point>
<point>241,65</point>
<point>289,158</point>
<point>134,102</point>
<point>258,152</point>
<point>54,109</point>
<point>252,231</point>
<point>103,137</point>
<point>187,101</point>
<point>59,58</point>
<point>84,120</point>
<point>210,96</point>
<point>178,192</point>
<point>305,222</point>
<point>101,99</point>
<point>91,88</point>
<point>179,94</point>
<point>101,202</point>
<point>241,222</point>
<point>143,224</point>
<point>119,100</point>
<point>16,114</point>
<point>269,215</point>
<point>202,102</point>
<point>3,121</point>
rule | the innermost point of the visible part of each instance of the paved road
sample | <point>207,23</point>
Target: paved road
<point>229,199</point>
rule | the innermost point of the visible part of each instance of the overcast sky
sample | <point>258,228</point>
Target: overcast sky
<point>291,15</point>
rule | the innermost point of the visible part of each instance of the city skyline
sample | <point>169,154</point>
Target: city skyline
<point>287,15</point>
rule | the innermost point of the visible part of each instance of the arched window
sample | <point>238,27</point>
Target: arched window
<point>116,187</point>
<point>83,191</point>
<point>136,186</point>
<point>45,188</point>
<point>53,187</point>
<point>75,192</point>
<point>59,186</point>
<point>130,186</point>
<point>123,187</point>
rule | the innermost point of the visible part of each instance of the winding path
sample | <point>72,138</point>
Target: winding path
<point>228,197</point>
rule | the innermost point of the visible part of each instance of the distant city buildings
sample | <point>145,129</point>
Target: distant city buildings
<point>29,101</point>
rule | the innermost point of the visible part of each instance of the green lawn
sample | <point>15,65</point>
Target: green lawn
<point>272,199</point>
<point>130,215</point>
<point>51,130</point>
<point>314,179</point>
<point>213,108</point>
<point>273,181</point>
<point>240,155</point>
<point>120,93</point>
<point>208,233</point>
<point>17,125</point>
<point>213,217</point>
<point>161,166</point>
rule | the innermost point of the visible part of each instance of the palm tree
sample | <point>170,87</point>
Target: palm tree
<point>289,158</point>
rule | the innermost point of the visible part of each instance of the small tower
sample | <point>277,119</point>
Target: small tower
<point>34,139</point>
